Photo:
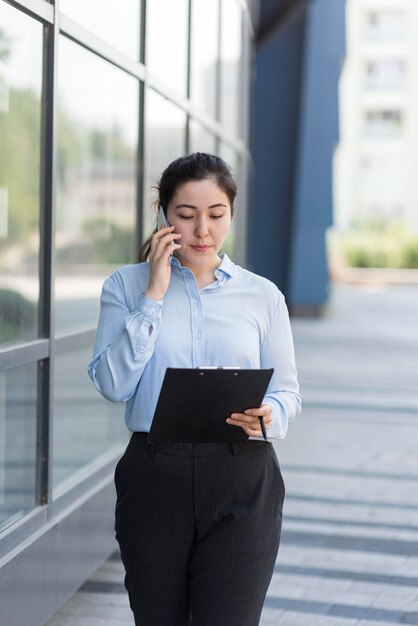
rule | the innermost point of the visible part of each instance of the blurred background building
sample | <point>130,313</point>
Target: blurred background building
<point>376,187</point>
<point>376,178</point>
<point>96,98</point>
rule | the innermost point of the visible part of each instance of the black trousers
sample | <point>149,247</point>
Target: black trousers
<point>198,526</point>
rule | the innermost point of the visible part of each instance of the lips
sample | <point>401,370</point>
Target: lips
<point>201,248</point>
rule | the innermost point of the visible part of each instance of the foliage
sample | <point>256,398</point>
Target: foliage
<point>17,316</point>
<point>20,162</point>
<point>109,242</point>
<point>379,246</point>
<point>5,43</point>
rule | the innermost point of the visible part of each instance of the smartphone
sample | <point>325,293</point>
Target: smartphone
<point>162,220</point>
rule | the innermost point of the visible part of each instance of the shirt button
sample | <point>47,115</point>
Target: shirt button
<point>199,335</point>
<point>152,310</point>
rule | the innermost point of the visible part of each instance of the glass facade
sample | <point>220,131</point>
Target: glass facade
<point>165,140</point>
<point>230,70</point>
<point>204,54</point>
<point>117,23</point>
<point>84,137</point>
<point>166,43</point>
<point>17,442</point>
<point>20,149</point>
<point>96,194</point>
<point>93,425</point>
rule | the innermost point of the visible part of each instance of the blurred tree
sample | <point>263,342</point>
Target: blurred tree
<point>5,45</point>
<point>20,162</point>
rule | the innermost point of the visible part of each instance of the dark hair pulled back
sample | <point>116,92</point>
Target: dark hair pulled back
<point>191,167</point>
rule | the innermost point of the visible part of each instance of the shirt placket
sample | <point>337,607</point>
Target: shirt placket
<point>196,320</point>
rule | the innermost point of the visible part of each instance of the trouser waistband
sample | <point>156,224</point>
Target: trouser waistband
<point>198,449</point>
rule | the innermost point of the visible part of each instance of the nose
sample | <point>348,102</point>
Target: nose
<point>201,226</point>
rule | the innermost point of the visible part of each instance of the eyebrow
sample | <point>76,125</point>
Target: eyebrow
<point>191,206</point>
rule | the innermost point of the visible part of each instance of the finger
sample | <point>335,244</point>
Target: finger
<point>252,431</point>
<point>164,230</point>
<point>244,417</point>
<point>166,243</point>
<point>243,420</point>
<point>262,410</point>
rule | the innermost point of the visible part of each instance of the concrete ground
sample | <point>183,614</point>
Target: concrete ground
<point>349,550</point>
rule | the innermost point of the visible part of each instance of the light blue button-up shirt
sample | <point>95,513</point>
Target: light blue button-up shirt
<point>240,319</point>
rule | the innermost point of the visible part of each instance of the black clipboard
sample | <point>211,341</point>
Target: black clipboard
<point>194,404</point>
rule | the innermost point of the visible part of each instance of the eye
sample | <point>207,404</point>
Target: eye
<point>186,217</point>
<point>216,217</point>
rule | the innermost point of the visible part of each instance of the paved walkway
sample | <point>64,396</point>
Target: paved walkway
<point>349,551</point>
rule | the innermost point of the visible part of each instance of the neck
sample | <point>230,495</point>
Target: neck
<point>202,271</point>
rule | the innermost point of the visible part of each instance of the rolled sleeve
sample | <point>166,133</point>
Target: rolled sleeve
<point>141,324</point>
<point>283,392</point>
<point>124,341</point>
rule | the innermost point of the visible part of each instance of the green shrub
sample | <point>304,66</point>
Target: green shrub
<point>391,247</point>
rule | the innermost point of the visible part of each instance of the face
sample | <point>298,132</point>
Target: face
<point>201,212</point>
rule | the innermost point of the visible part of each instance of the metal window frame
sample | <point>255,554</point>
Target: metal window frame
<point>48,346</point>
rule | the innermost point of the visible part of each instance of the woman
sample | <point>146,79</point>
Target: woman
<point>198,525</point>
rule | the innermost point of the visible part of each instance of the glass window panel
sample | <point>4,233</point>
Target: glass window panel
<point>116,22</point>
<point>204,54</point>
<point>231,71</point>
<point>386,25</point>
<point>201,139</point>
<point>17,443</point>
<point>20,132</point>
<point>166,42</point>
<point>165,129</point>
<point>96,193</point>
<point>385,74</point>
<point>86,426</point>
<point>384,123</point>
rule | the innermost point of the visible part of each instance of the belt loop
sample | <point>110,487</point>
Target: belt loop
<point>235,449</point>
<point>152,449</point>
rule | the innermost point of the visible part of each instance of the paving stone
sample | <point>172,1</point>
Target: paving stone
<point>351,473</point>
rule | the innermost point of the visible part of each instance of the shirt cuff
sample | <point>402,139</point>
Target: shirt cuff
<point>141,324</point>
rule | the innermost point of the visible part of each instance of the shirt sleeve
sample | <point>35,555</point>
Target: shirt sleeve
<point>124,341</point>
<point>282,395</point>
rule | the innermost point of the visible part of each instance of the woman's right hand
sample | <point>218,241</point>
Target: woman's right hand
<point>162,246</point>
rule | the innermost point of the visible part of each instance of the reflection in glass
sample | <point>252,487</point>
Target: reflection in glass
<point>165,129</point>
<point>116,22</point>
<point>17,443</point>
<point>200,139</point>
<point>96,195</point>
<point>166,42</point>
<point>204,54</point>
<point>86,425</point>
<point>20,121</point>
<point>231,43</point>
<point>230,244</point>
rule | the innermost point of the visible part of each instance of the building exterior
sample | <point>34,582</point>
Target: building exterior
<point>95,100</point>
<point>295,130</point>
<point>376,182</point>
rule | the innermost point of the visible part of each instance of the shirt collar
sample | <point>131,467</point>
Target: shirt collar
<point>227,266</point>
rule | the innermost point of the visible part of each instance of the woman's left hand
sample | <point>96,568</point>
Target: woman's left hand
<point>249,421</point>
